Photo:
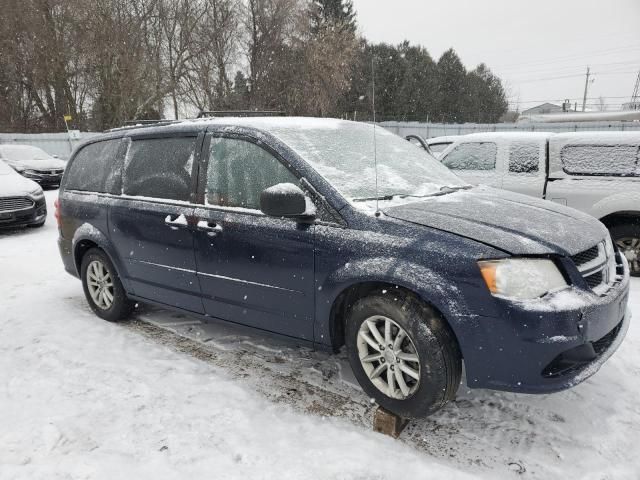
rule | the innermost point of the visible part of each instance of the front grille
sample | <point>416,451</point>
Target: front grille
<point>11,204</point>
<point>586,256</point>
<point>594,280</point>
<point>578,358</point>
<point>598,266</point>
<point>49,172</point>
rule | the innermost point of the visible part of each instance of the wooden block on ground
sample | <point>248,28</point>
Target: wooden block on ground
<point>388,423</point>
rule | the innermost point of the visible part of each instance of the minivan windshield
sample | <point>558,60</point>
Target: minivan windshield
<point>344,153</point>
<point>23,152</point>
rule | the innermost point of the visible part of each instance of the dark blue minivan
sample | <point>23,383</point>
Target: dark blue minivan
<point>340,233</point>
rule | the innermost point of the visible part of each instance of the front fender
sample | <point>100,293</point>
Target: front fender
<point>618,202</point>
<point>431,286</point>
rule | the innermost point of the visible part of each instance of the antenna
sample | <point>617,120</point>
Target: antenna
<point>375,147</point>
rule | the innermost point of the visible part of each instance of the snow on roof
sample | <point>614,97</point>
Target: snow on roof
<point>632,137</point>
<point>278,122</point>
<point>487,136</point>
<point>443,139</point>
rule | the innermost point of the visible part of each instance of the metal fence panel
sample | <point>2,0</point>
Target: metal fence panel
<point>59,144</point>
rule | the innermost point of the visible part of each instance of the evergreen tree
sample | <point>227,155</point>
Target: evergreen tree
<point>336,13</point>
<point>451,88</point>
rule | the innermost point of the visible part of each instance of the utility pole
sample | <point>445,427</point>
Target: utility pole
<point>586,88</point>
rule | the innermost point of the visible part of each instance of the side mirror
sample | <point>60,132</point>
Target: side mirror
<point>286,200</point>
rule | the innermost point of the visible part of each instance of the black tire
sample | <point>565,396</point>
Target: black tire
<point>437,349</point>
<point>620,233</point>
<point>121,306</point>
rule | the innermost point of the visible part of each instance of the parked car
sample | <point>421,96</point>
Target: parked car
<point>596,172</point>
<point>22,200</point>
<point>33,163</point>
<point>282,225</point>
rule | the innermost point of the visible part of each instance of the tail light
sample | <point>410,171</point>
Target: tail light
<point>56,213</point>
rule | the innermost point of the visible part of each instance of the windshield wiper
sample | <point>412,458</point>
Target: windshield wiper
<point>443,191</point>
<point>446,189</point>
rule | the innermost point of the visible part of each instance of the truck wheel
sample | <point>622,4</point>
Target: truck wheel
<point>403,353</point>
<point>102,287</point>
<point>627,238</point>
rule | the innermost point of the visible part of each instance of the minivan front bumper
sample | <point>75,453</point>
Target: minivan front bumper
<point>547,346</point>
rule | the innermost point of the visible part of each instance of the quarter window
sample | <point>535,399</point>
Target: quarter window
<point>618,160</point>
<point>239,171</point>
<point>159,168</point>
<point>94,168</point>
<point>524,157</point>
<point>472,156</point>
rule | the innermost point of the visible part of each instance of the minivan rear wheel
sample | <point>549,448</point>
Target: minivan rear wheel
<point>102,287</point>
<point>403,353</point>
<point>627,239</point>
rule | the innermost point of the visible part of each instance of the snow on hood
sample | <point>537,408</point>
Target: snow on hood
<point>44,164</point>
<point>12,184</point>
<point>517,224</point>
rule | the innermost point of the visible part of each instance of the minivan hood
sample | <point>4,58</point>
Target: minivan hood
<point>514,223</point>
<point>46,164</point>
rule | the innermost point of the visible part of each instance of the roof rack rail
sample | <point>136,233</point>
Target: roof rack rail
<point>241,113</point>
<point>129,124</point>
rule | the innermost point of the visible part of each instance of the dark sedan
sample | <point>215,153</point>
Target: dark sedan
<point>33,163</point>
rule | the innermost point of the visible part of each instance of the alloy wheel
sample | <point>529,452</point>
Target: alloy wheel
<point>630,248</point>
<point>100,284</point>
<point>389,357</point>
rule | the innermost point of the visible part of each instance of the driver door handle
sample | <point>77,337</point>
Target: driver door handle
<point>175,223</point>
<point>211,228</point>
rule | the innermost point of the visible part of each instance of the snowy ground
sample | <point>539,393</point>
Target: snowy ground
<point>165,396</point>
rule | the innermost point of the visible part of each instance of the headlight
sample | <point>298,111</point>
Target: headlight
<point>521,278</point>
<point>37,193</point>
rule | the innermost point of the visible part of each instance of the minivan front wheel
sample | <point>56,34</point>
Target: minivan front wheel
<point>403,353</point>
<point>102,287</point>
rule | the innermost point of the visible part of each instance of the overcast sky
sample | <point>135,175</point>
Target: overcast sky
<point>528,43</point>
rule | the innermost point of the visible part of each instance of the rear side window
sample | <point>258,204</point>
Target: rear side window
<point>524,157</point>
<point>618,160</point>
<point>159,168</point>
<point>94,168</point>
<point>239,171</point>
<point>472,156</point>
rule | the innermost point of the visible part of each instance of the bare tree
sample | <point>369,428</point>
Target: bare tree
<point>217,39</point>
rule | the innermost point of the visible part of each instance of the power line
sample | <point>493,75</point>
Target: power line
<point>568,98</point>
<point>559,77</point>
<point>571,68</point>
<point>554,60</point>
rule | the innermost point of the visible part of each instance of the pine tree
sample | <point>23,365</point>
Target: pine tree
<point>335,13</point>
<point>451,88</point>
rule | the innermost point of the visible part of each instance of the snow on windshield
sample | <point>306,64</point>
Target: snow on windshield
<point>23,152</point>
<point>344,153</point>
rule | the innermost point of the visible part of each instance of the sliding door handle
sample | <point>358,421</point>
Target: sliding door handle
<point>211,228</point>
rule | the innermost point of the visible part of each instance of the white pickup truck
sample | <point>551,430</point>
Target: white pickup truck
<point>596,172</point>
